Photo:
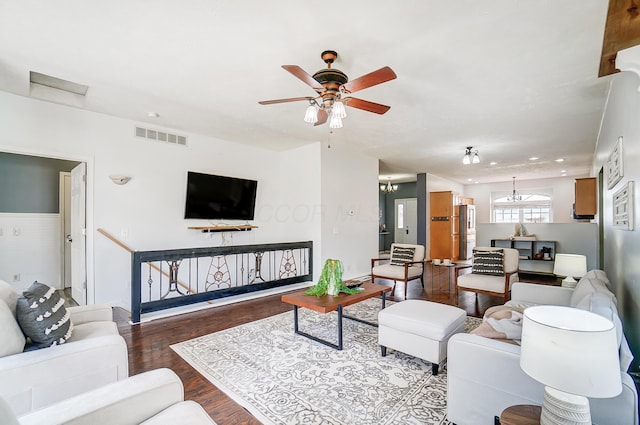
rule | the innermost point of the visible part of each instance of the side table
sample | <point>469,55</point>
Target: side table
<point>521,414</point>
<point>455,267</point>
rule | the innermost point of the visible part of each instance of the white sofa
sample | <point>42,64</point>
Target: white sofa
<point>94,356</point>
<point>484,375</point>
<point>150,398</point>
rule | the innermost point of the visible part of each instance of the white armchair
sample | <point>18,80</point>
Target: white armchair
<point>154,397</point>
<point>408,269</point>
<point>95,355</point>
<point>488,284</point>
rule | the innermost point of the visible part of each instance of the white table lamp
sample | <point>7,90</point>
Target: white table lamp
<point>570,266</point>
<point>574,353</point>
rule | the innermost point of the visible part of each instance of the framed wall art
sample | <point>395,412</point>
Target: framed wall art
<point>614,167</point>
<point>623,207</point>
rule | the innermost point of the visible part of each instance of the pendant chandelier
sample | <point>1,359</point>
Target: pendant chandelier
<point>515,196</point>
<point>470,157</point>
<point>388,188</point>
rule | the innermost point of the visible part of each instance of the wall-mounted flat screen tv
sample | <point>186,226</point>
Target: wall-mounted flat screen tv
<point>214,197</point>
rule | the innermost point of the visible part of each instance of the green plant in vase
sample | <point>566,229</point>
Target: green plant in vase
<point>330,282</point>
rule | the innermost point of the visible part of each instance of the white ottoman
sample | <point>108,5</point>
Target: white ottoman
<point>419,328</point>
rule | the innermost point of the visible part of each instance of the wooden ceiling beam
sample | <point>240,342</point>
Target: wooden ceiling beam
<point>622,30</point>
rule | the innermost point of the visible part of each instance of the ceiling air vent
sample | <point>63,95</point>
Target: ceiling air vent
<point>57,90</point>
<point>161,136</point>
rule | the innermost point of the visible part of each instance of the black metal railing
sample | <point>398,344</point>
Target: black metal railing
<point>172,278</point>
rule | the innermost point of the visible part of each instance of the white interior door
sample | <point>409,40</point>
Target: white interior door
<point>78,234</point>
<point>65,218</point>
<point>406,220</point>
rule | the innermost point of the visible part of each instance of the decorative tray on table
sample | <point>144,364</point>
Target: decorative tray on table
<point>354,283</point>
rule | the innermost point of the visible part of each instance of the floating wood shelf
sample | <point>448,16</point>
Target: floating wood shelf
<point>225,228</point>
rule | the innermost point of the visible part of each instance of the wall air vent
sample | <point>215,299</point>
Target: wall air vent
<point>161,136</point>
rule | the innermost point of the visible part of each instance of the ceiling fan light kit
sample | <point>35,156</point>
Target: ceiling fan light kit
<point>311,116</point>
<point>333,87</point>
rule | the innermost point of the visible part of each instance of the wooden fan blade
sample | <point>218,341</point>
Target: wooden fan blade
<point>366,105</point>
<point>292,99</point>
<point>304,77</point>
<point>322,117</point>
<point>369,80</point>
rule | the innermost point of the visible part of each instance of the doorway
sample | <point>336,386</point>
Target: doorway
<point>406,220</point>
<point>39,197</point>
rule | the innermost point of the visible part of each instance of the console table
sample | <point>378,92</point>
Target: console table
<point>527,250</point>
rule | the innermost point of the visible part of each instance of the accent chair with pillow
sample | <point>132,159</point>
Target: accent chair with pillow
<point>406,264</point>
<point>50,353</point>
<point>493,272</point>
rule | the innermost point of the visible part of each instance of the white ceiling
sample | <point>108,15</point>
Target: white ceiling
<point>512,78</point>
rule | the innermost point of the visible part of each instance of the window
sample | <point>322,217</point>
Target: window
<point>533,208</point>
<point>400,216</point>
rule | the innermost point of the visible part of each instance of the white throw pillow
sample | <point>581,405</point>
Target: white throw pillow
<point>13,339</point>
<point>598,274</point>
<point>9,296</point>
<point>586,286</point>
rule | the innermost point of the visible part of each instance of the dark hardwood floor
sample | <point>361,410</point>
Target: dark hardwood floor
<point>149,342</point>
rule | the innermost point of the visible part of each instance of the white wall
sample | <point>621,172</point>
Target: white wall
<point>562,189</point>
<point>350,208</point>
<point>570,238</point>
<point>30,249</point>
<point>149,209</point>
<point>622,247</point>
<point>300,209</point>
<point>438,184</point>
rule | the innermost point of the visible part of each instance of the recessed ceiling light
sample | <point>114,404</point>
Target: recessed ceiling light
<point>153,114</point>
<point>564,174</point>
<point>563,171</point>
<point>492,163</point>
<point>534,158</point>
<point>469,180</point>
<point>477,182</point>
<point>560,160</point>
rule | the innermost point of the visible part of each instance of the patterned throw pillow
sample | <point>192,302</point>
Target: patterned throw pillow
<point>42,316</point>
<point>488,262</point>
<point>400,255</point>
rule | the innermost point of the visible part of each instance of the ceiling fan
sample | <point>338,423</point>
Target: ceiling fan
<point>334,89</point>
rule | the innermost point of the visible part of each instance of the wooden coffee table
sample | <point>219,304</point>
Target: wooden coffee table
<point>327,303</point>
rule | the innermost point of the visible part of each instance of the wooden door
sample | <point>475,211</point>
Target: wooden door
<point>441,224</point>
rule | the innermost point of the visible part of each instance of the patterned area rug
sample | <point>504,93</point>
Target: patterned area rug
<point>284,378</point>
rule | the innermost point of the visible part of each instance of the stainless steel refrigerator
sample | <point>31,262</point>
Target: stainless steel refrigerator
<point>467,217</point>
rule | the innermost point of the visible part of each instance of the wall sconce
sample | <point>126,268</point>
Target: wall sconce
<point>119,179</point>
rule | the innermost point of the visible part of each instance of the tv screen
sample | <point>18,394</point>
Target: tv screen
<point>219,197</point>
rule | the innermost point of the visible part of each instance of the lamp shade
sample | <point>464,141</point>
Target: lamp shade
<point>571,350</point>
<point>570,265</point>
